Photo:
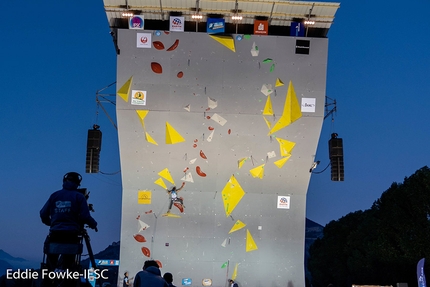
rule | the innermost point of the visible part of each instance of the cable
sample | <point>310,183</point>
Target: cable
<point>111,173</point>
<point>318,172</point>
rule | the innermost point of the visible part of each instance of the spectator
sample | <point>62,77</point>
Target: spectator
<point>169,279</point>
<point>150,276</point>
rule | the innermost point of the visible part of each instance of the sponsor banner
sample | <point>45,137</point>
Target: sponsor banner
<point>283,202</point>
<point>308,105</point>
<point>144,197</point>
<point>107,262</point>
<point>261,27</point>
<point>177,24</point>
<point>215,25</point>
<point>136,22</point>
<point>420,273</point>
<point>187,281</point>
<point>138,97</point>
<point>144,40</point>
<point>297,29</point>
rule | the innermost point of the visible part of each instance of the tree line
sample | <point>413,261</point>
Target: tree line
<point>381,245</point>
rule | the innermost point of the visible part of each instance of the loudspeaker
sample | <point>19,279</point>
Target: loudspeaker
<point>335,147</point>
<point>94,146</point>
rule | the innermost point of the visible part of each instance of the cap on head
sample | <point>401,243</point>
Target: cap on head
<point>73,177</point>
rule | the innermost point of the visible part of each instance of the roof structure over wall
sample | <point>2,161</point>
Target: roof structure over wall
<point>278,13</point>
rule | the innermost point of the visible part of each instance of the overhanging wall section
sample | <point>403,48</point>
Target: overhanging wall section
<point>194,114</point>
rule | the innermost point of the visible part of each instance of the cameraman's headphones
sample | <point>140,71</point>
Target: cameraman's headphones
<point>73,177</point>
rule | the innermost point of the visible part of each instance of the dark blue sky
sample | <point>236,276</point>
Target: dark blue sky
<point>56,54</point>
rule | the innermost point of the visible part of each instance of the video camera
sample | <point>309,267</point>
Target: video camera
<point>86,194</point>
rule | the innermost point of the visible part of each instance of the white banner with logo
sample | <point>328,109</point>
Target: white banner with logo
<point>177,23</point>
<point>283,202</point>
<point>144,40</point>
<point>308,105</point>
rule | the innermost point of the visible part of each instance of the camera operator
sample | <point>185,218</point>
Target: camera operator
<point>66,212</point>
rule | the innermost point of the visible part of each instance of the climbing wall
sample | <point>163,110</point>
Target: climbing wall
<point>237,119</point>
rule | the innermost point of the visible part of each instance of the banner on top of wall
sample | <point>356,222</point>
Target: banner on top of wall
<point>297,29</point>
<point>261,27</point>
<point>136,22</point>
<point>215,25</point>
<point>177,24</point>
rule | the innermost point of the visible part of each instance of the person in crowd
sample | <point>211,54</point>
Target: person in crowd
<point>150,276</point>
<point>169,279</point>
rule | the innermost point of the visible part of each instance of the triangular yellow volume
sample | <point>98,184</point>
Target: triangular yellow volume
<point>292,110</point>
<point>280,162</point>
<point>234,275</point>
<point>227,41</point>
<point>142,114</point>
<point>172,136</point>
<point>268,111</point>
<point>250,243</point>
<point>125,90</point>
<point>237,226</point>
<point>285,146</point>
<point>165,173</point>
<point>150,139</point>
<point>241,161</point>
<point>269,124</point>
<point>231,195</point>
<point>280,124</point>
<point>258,171</point>
<point>161,183</point>
<point>279,83</point>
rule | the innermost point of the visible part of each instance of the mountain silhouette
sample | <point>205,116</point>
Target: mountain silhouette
<point>7,261</point>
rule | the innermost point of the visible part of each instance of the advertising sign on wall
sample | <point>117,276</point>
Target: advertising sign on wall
<point>136,22</point>
<point>144,40</point>
<point>308,105</point>
<point>261,27</point>
<point>215,25</point>
<point>138,97</point>
<point>177,23</point>
<point>297,29</point>
<point>283,202</point>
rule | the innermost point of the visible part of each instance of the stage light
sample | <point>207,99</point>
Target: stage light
<point>309,22</point>
<point>236,17</point>
<point>127,14</point>
<point>314,165</point>
<point>197,16</point>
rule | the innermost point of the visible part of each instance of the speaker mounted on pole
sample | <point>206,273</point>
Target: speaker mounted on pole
<point>335,146</point>
<point>94,146</point>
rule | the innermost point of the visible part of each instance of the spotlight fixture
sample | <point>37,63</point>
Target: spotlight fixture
<point>309,22</point>
<point>314,165</point>
<point>127,14</point>
<point>197,16</point>
<point>236,17</point>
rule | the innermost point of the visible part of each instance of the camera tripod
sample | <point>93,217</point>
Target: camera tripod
<point>61,266</point>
